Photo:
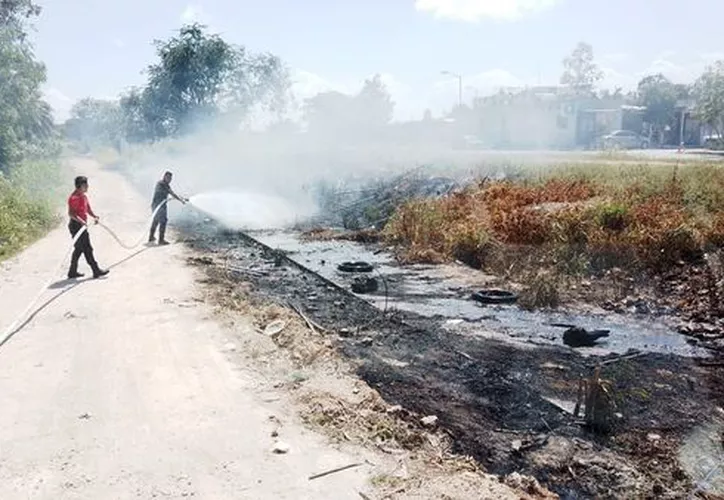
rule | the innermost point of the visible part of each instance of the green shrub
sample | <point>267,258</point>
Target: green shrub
<point>613,217</point>
<point>28,197</point>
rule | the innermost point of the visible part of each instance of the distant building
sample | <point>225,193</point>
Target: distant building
<point>687,129</point>
<point>551,117</point>
<point>603,117</point>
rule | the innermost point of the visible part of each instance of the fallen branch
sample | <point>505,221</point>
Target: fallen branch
<point>311,324</point>
<point>246,270</point>
<point>621,358</point>
<point>302,315</point>
<point>465,355</point>
<point>334,471</point>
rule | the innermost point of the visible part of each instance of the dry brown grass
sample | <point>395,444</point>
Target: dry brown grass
<point>542,292</point>
<point>632,217</point>
<point>369,421</point>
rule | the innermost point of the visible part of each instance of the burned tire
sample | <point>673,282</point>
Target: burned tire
<point>495,297</point>
<point>364,285</point>
<point>355,267</point>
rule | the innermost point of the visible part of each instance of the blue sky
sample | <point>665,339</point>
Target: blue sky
<point>99,48</point>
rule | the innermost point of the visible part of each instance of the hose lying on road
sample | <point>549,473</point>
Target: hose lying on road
<point>140,240</point>
<point>21,321</point>
<point>17,324</point>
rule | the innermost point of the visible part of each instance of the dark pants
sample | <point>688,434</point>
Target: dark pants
<point>159,221</point>
<point>82,247</point>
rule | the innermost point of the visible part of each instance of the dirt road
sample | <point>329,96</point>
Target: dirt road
<point>120,388</point>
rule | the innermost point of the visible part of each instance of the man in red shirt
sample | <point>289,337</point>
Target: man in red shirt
<point>78,210</point>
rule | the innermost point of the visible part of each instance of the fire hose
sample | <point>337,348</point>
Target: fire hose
<point>26,315</point>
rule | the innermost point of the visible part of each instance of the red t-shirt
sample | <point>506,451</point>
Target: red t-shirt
<point>78,205</point>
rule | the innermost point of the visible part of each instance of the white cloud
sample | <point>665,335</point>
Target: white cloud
<point>306,84</point>
<point>476,10</point>
<point>676,67</point>
<point>394,86</point>
<point>613,78</point>
<point>677,70</point>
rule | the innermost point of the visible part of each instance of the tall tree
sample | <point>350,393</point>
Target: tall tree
<point>199,75</point>
<point>658,95</point>
<point>25,119</point>
<point>580,70</point>
<point>709,94</point>
<point>338,114</point>
<point>374,103</point>
<point>94,121</point>
<point>17,12</point>
<point>134,116</point>
<point>256,80</point>
<point>329,112</point>
<point>682,90</point>
<point>184,84</point>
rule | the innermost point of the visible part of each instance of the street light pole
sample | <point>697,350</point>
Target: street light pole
<point>460,85</point>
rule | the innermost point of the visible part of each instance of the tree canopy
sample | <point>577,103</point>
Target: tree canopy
<point>709,94</point>
<point>25,118</point>
<point>368,110</point>
<point>197,77</point>
<point>17,12</point>
<point>94,121</point>
<point>658,95</point>
<point>580,71</point>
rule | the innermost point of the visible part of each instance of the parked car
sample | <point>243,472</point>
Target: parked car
<point>625,139</point>
<point>713,141</point>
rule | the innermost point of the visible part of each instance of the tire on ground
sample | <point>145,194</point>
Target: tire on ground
<point>495,297</point>
<point>355,267</point>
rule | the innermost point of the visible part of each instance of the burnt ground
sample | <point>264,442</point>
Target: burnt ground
<point>489,395</point>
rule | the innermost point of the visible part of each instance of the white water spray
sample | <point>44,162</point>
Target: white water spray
<point>239,210</point>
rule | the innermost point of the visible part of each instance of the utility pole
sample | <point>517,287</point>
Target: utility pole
<point>460,85</point>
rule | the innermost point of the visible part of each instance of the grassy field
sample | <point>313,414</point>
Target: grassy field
<point>29,198</point>
<point>577,219</point>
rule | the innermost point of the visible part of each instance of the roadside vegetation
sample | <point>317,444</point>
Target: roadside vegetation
<point>576,220</point>
<point>28,204</point>
<point>29,166</point>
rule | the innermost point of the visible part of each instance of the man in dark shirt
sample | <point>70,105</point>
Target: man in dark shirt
<point>78,211</point>
<point>160,197</point>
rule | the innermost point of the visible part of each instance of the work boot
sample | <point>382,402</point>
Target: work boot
<point>162,234</point>
<point>163,242</point>
<point>72,276</point>
<point>100,273</point>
